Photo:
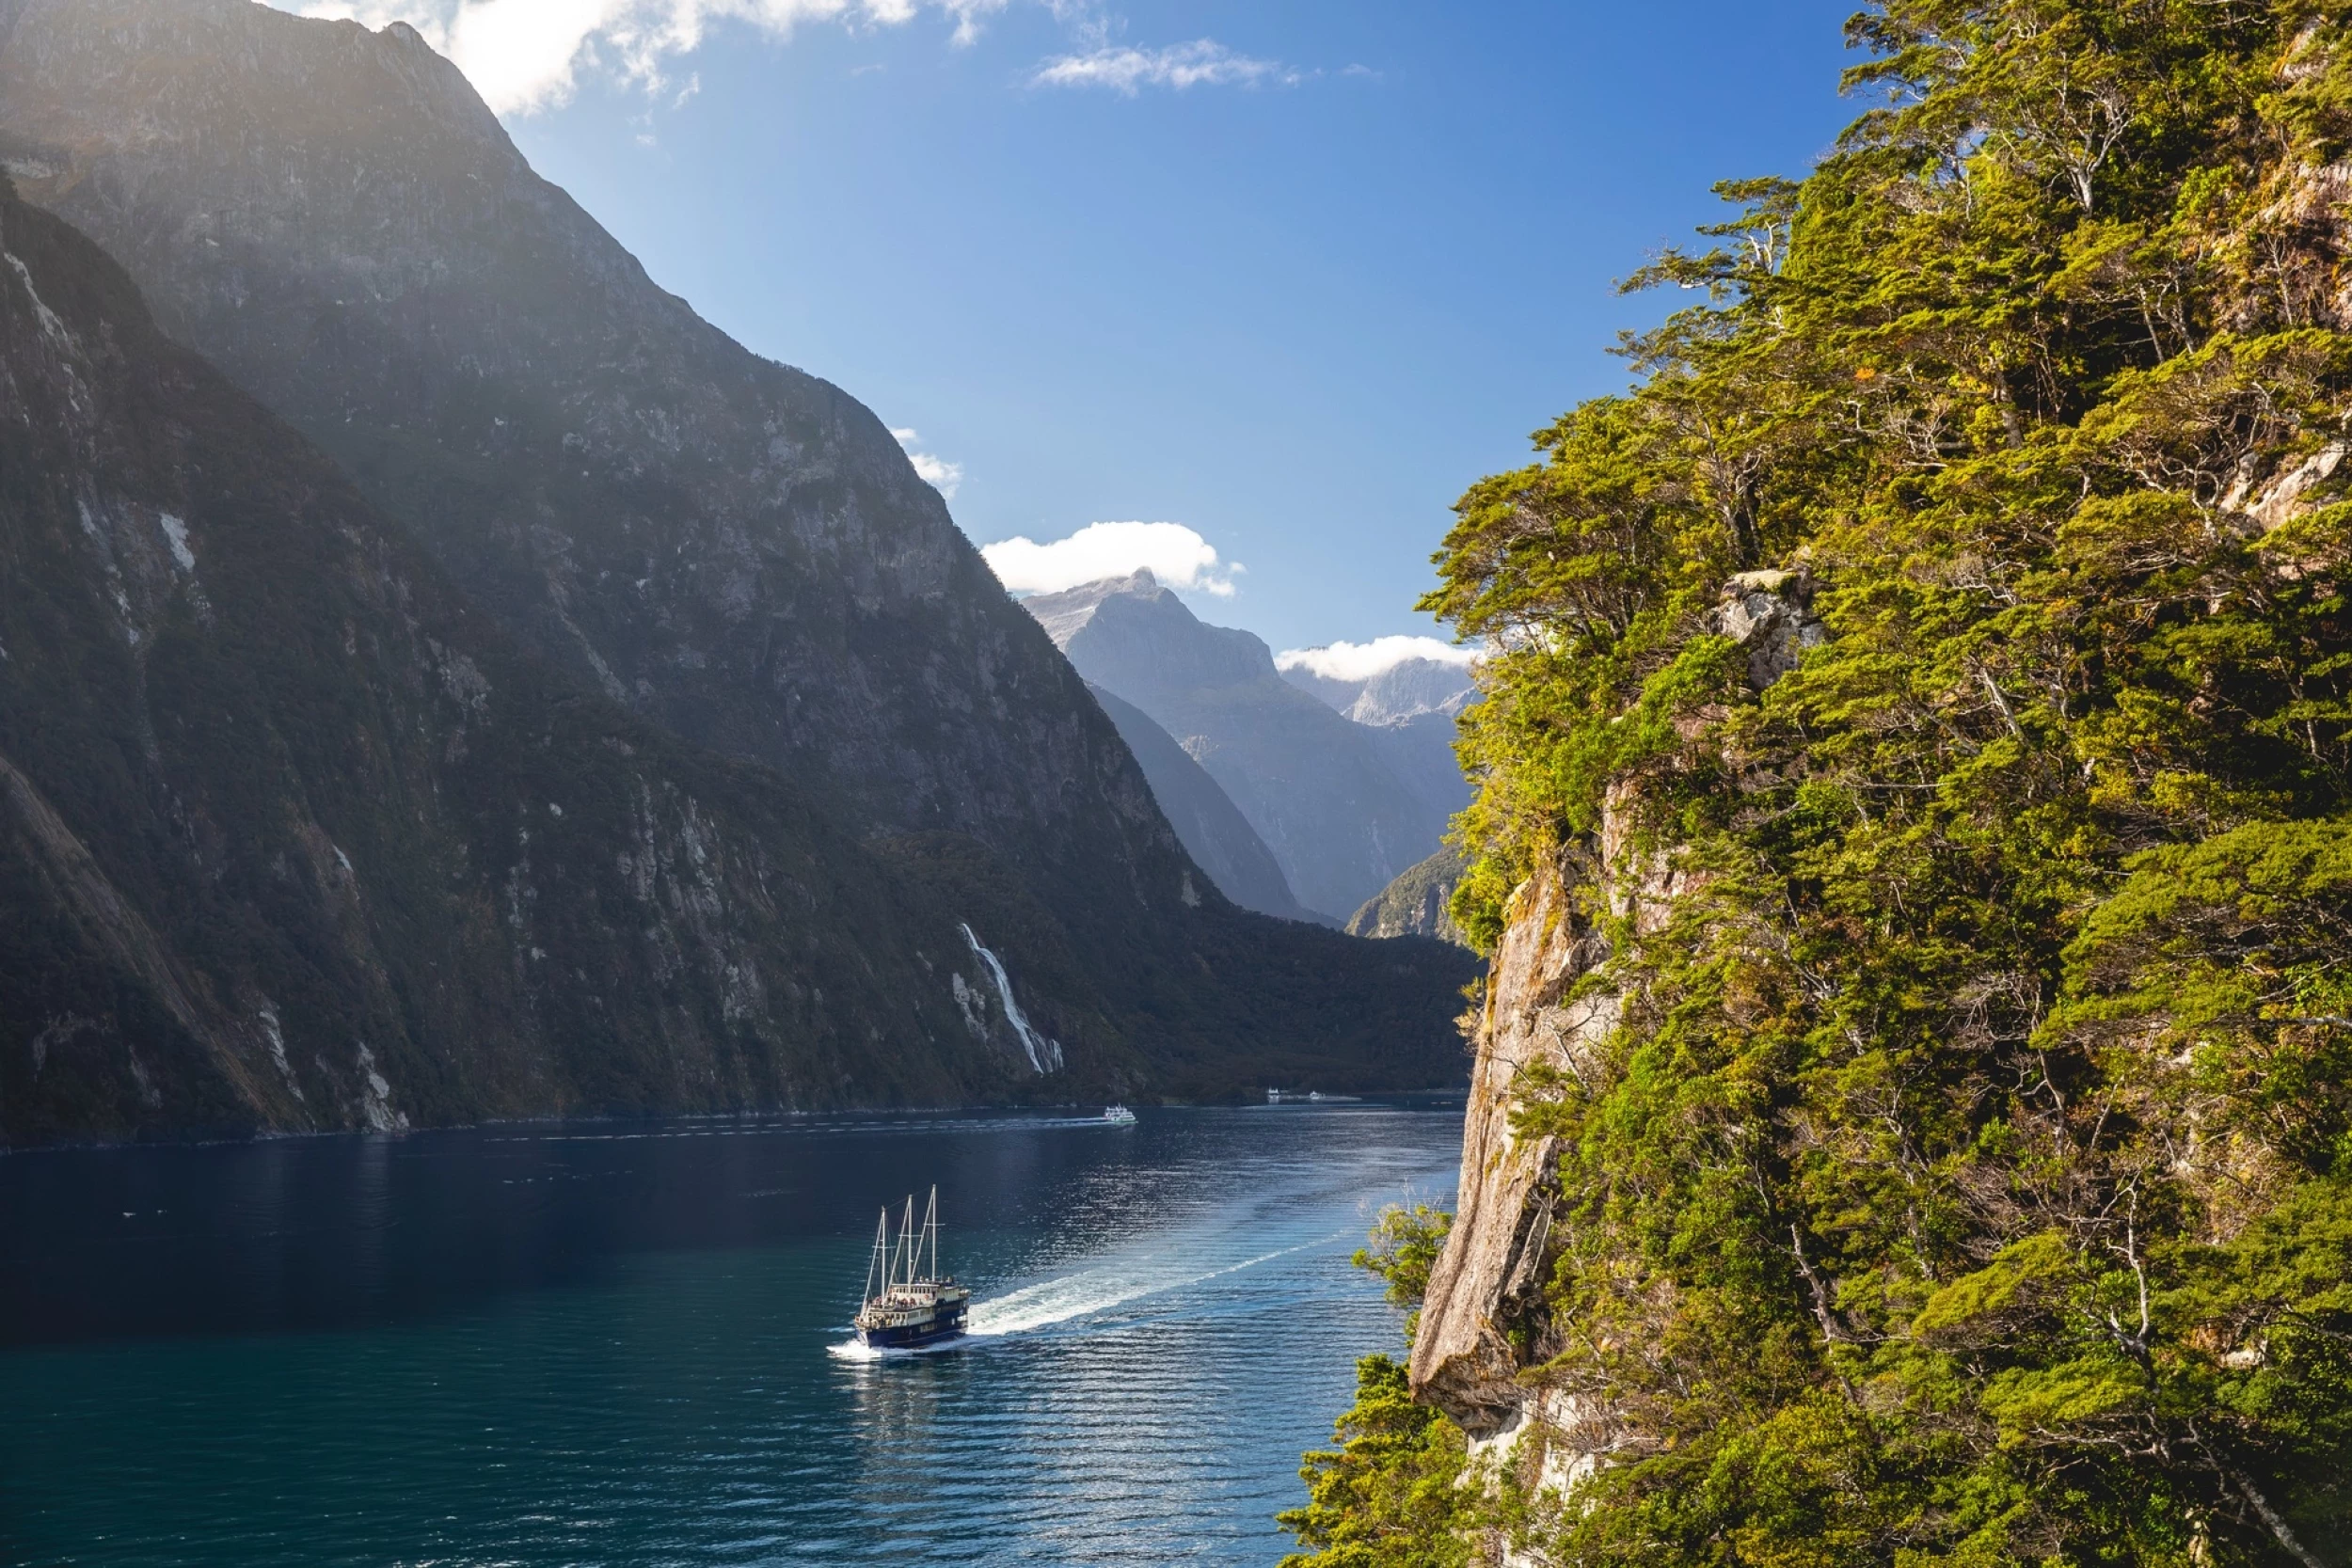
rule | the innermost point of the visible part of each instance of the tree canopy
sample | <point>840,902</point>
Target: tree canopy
<point>1970,1178</point>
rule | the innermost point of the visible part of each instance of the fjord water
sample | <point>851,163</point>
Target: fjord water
<point>626,1343</point>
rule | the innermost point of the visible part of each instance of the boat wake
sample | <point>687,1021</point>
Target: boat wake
<point>851,1350</point>
<point>1071,1296</point>
<point>1102,1288</point>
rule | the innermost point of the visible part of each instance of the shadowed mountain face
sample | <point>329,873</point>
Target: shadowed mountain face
<point>1315,786</point>
<point>289,837</point>
<point>665,524</point>
<point>1219,839</point>
<point>1409,710</point>
<point>735,549</point>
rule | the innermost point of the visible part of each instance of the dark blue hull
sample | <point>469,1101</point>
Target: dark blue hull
<point>913,1336</point>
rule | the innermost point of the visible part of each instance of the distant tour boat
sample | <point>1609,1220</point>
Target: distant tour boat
<point>1118,1116</point>
<point>908,1304</point>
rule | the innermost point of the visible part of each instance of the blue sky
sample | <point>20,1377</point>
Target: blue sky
<point>1296,306</point>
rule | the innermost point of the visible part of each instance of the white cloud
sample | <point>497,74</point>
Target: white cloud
<point>1361,661</point>
<point>524,56</point>
<point>1203,62</point>
<point>1176,555</point>
<point>935,471</point>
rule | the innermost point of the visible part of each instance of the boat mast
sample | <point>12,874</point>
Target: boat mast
<point>930,1231</point>
<point>909,1244</point>
<point>875,1264</point>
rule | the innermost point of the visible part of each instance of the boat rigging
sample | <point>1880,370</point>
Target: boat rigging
<point>909,1302</point>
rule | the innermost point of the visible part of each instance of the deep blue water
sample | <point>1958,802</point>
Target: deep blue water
<point>621,1344</point>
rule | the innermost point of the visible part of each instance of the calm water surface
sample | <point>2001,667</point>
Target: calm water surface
<point>624,1344</point>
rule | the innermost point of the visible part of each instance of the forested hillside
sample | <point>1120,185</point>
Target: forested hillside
<point>1956,1160</point>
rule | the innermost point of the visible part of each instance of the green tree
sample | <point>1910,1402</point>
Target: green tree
<point>1391,1495</point>
<point>1970,1176</point>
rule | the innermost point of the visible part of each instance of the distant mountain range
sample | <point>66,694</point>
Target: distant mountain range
<point>563,708</point>
<point>1407,689</point>
<point>1347,784</point>
<point>1219,839</point>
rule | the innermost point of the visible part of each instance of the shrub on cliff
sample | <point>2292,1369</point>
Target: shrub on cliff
<point>1971,1176</point>
<point>1391,1495</point>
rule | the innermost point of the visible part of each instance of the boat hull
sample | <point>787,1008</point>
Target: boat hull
<point>912,1335</point>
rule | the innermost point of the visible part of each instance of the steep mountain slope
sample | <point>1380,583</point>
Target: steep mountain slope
<point>292,836</point>
<point>1415,905</point>
<point>735,549</point>
<point>289,837</point>
<point>1419,752</point>
<point>1409,710</point>
<point>1313,784</point>
<point>1219,839</point>
<point>738,552</point>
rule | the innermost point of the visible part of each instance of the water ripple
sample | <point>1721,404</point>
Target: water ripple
<point>645,1363</point>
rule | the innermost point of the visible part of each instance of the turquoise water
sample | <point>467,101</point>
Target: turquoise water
<point>625,1345</point>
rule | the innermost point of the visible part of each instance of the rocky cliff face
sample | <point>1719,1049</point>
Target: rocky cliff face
<point>292,837</point>
<point>1484,1319</point>
<point>736,552</point>
<point>1315,787</point>
<point>1486,1325</point>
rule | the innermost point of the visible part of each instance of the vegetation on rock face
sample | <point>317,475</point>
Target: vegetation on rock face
<point>1389,1495</point>
<point>1970,1176</point>
<point>1418,903</point>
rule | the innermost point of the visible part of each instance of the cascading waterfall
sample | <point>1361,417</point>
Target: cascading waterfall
<point>1044,1055</point>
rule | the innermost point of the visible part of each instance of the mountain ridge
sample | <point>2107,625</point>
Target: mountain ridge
<point>1213,830</point>
<point>1324,792</point>
<point>292,839</point>
<point>739,552</point>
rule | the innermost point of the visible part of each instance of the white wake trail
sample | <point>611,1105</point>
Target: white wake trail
<point>1068,1296</point>
<point>1099,1290</point>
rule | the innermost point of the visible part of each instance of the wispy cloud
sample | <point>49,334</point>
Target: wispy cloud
<point>1176,555</point>
<point>1361,662</point>
<point>525,56</point>
<point>1202,63</point>
<point>937,472</point>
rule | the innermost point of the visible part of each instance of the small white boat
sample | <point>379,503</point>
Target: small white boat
<point>1118,1116</point>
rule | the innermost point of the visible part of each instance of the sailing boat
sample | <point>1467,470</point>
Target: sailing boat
<point>908,1301</point>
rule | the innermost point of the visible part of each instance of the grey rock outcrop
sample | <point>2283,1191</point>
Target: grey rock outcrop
<point>1485,1326</point>
<point>1771,613</point>
<point>1315,787</point>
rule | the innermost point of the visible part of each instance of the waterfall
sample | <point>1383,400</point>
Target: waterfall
<point>1044,1055</point>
